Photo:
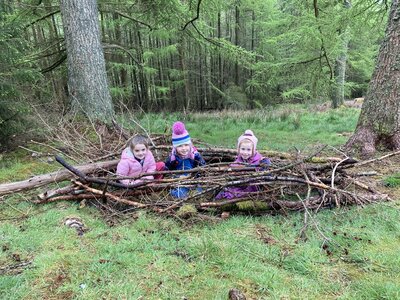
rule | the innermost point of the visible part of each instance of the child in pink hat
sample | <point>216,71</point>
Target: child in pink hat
<point>184,156</point>
<point>246,155</point>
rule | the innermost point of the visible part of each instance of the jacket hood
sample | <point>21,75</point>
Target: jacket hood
<point>127,154</point>
<point>252,160</point>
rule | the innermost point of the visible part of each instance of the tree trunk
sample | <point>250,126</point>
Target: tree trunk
<point>252,42</point>
<point>379,121</point>
<point>87,77</point>
<point>220,73</point>
<point>237,40</point>
<point>340,67</point>
<point>182,66</point>
<point>142,92</point>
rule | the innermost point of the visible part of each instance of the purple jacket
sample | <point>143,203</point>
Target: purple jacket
<point>242,191</point>
<point>255,160</point>
<point>130,166</point>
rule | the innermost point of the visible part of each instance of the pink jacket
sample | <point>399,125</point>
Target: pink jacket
<point>129,166</point>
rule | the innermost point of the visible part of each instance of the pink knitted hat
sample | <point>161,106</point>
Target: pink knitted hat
<point>180,135</point>
<point>248,135</point>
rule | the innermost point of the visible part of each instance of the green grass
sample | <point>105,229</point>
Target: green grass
<point>392,181</point>
<point>20,165</point>
<point>281,128</point>
<point>157,258</point>
<point>149,257</point>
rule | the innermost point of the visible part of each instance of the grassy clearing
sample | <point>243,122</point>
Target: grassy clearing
<point>148,257</point>
<point>281,128</point>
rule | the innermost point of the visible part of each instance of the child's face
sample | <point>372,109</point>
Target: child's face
<point>183,150</point>
<point>246,149</point>
<point>139,151</point>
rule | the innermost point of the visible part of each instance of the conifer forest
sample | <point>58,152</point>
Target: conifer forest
<point>168,55</point>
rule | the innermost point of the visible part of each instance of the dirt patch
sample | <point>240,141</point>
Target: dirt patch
<point>54,280</point>
<point>264,234</point>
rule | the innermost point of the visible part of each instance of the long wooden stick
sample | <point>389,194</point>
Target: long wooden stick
<point>58,176</point>
<point>110,195</point>
<point>366,162</point>
<point>66,197</point>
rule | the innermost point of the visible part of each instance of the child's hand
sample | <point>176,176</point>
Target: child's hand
<point>173,156</point>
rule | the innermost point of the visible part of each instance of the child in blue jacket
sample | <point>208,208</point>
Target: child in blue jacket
<point>184,156</point>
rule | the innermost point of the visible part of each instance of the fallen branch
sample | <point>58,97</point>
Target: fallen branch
<point>66,197</point>
<point>58,176</point>
<point>366,162</point>
<point>111,196</point>
<point>60,191</point>
<point>21,265</point>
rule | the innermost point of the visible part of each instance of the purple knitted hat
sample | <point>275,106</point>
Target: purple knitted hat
<point>248,135</point>
<point>180,135</point>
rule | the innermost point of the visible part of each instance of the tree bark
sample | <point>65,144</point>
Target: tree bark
<point>183,67</point>
<point>87,77</point>
<point>340,66</point>
<point>237,40</point>
<point>219,98</point>
<point>379,121</point>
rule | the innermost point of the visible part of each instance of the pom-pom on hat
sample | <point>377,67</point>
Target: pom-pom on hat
<point>248,135</point>
<point>180,135</point>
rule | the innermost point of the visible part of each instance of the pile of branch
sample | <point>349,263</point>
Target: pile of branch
<point>289,184</point>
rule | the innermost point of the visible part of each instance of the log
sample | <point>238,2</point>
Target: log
<point>58,176</point>
<point>56,192</point>
<point>218,152</point>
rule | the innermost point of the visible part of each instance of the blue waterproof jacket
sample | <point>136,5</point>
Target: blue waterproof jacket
<point>184,163</point>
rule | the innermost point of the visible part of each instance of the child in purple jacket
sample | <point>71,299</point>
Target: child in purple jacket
<point>247,155</point>
<point>137,159</point>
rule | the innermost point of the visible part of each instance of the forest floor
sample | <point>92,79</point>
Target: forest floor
<point>348,252</point>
